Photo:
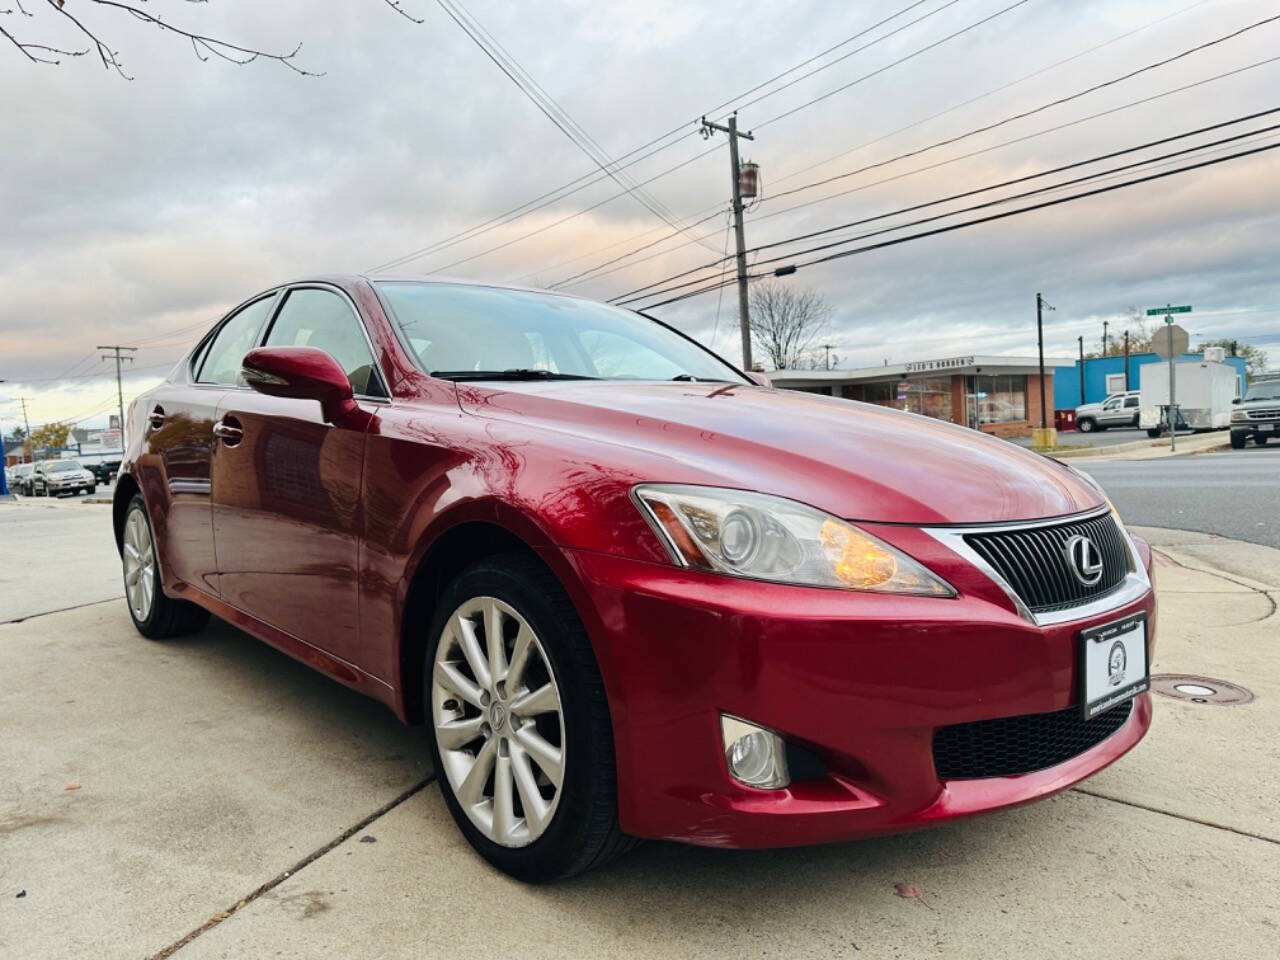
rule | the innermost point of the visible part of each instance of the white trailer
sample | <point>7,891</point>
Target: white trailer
<point>1203,391</point>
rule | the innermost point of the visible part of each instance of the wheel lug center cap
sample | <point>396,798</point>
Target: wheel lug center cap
<point>497,716</point>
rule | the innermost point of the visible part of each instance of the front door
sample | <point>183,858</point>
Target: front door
<point>178,422</point>
<point>287,488</point>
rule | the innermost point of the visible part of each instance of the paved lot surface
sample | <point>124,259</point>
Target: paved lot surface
<point>1235,493</point>
<point>213,798</point>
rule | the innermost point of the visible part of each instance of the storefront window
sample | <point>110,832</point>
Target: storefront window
<point>930,396</point>
<point>1005,400</point>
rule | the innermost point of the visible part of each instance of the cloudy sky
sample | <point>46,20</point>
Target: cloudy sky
<point>137,211</point>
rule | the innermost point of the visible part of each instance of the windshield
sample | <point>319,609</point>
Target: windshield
<point>1264,391</point>
<point>490,333</point>
<point>62,466</point>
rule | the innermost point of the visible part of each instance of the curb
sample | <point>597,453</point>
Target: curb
<point>1099,453</point>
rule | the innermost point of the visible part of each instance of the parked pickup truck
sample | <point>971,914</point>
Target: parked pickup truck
<point>1257,415</point>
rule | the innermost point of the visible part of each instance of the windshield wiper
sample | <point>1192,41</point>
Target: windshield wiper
<point>690,378</point>
<point>514,373</point>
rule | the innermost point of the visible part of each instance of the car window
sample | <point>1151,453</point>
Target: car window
<point>221,363</point>
<point>455,330</point>
<point>1111,404</point>
<point>1130,401</point>
<point>320,318</point>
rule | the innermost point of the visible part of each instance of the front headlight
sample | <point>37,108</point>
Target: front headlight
<point>752,535</point>
<point>1239,416</point>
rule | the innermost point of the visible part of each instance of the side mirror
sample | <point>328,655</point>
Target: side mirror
<point>759,379</point>
<point>1236,400</point>
<point>302,373</point>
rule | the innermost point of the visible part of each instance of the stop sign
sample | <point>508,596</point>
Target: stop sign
<point>1170,341</point>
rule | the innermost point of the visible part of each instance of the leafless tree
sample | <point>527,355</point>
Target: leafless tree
<point>787,322</point>
<point>89,38</point>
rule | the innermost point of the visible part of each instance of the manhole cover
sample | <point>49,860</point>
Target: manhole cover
<point>1184,686</point>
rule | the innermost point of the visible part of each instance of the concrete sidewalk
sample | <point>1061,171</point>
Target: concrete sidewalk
<point>1188,444</point>
<point>213,798</point>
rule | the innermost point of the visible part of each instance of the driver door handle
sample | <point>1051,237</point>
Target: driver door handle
<point>228,431</point>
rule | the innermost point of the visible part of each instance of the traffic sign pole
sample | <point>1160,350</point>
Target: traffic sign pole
<point>1173,382</point>
<point>1173,342</point>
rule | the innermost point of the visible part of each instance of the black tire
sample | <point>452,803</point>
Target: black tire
<point>1260,440</point>
<point>168,617</point>
<point>583,833</point>
<point>91,490</point>
<point>1086,425</point>
<point>1154,432</point>
<point>1237,441</point>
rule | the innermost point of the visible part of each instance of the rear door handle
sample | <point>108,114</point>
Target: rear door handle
<point>228,431</point>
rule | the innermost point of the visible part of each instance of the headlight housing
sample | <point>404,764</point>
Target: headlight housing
<point>1239,416</point>
<point>759,537</point>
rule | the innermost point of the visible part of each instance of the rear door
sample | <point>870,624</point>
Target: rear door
<point>179,435</point>
<point>287,486</point>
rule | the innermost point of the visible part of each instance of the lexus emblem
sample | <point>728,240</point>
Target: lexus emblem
<point>1085,560</point>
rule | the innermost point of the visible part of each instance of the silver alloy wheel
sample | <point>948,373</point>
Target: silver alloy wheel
<point>498,721</point>
<point>139,565</point>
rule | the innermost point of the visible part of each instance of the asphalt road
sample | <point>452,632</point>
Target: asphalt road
<point>1233,494</point>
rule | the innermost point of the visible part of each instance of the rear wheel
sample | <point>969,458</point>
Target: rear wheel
<point>522,743</point>
<point>155,615</point>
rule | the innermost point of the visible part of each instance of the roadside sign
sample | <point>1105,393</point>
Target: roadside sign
<point>1161,311</point>
<point>1170,341</point>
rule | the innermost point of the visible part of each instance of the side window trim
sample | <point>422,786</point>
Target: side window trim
<point>284,292</point>
<point>202,353</point>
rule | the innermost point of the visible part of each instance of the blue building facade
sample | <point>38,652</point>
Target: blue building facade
<point>1105,375</point>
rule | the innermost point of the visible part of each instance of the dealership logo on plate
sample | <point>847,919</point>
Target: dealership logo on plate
<point>1117,660</point>
<point>1085,560</point>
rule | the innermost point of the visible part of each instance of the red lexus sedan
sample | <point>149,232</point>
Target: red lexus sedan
<point>632,591</point>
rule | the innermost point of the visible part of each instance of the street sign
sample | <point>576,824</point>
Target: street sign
<point>1169,341</point>
<point>1161,311</point>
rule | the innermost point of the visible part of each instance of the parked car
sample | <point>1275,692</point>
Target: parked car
<point>52,477</point>
<point>104,471</point>
<point>1117,410</point>
<point>1257,416</point>
<point>631,590</point>
<point>17,476</point>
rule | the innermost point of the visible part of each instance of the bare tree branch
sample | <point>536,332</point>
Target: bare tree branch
<point>787,322</point>
<point>395,5</point>
<point>204,47</point>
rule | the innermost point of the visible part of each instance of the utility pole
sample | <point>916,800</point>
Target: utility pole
<point>4,484</point>
<point>744,316</point>
<point>1126,361</point>
<point>1041,306</point>
<point>1104,337</point>
<point>826,361</point>
<point>116,354</point>
<point>26,424</point>
<point>1080,342</point>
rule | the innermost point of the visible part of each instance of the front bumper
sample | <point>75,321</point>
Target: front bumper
<point>859,680</point>
<point>1266,428</point>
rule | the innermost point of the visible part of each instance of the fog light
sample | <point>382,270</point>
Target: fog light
<point>756,756</point>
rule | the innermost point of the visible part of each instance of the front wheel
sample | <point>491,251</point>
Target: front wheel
<point>155,615</point>
<point>1260,440</point>
<point>1154,432</point>
<point>522,744</point>
<point>1085,425</point>
<point>1237,441</point>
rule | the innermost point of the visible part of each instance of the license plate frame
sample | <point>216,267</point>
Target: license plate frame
<point>1109,678</point>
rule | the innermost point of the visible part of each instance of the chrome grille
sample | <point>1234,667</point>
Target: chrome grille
<point>1272,413</point>
<point>1034,561</point>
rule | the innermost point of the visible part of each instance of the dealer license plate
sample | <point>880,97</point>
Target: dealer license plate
<point>1266,426</point>
<point>1113,664</point>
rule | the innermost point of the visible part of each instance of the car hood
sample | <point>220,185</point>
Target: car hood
<point>854,460</point>
<point>1089,408</point>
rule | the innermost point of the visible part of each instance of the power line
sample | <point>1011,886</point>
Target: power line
<point>588,180</point>
<point>791,268</point>
<point>1027,113</point>
<point>553,111</point>
<point>995,186</point>
<point>1012,83</point>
